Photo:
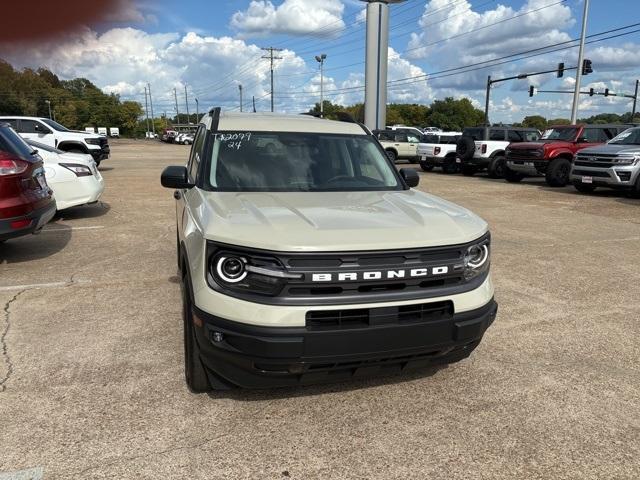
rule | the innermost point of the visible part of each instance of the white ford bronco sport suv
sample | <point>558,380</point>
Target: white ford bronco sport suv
<point>305,256</point>
<point>49,132</point>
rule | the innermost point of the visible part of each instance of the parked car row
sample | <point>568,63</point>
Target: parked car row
<point>181,138</point>
<point>36,180</point>
<point>587,156</point>
<point>114,132</point>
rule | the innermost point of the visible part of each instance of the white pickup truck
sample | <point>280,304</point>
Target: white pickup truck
<point>438,149</point>
<point>475,154</point>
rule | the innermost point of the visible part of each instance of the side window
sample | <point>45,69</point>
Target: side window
<point>385,137</point>
<point>514,136</point>
<point>496,135</point>
<point>594,135</point>
<point>401,137</point>
<point>413,138</point>
<point>29,126</point>
<point>11,121</point>
<point>196,154</point>
<point>531,136</point>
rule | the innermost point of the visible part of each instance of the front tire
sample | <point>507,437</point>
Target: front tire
<point>393,156</point>
<point>558,172</point>
<point>194,372</point>
<point>425,167</point>
<point>511,176</point>
<point>449,166</point>
<point>497,167</point>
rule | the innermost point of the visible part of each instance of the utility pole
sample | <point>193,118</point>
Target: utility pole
<point>146,111</point>
<point>240,88</point>
<point>576,94</point>
<point>272,58</point>
<point>48,102</point>
<point>153,125</point>
<point>320,59</point>
<point>486,109</point>
<point>197,112</point>
<point>186,101</point>
<point>175,96</point>
<point>254,104</point>
<point>635,101</point>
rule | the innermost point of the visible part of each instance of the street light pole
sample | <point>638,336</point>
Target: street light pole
<point>48,102</point>
<point>240,88</point>
<point>320,59</point>
<point>377,56</point>
<point>197,112</point>
<point>576,93</point>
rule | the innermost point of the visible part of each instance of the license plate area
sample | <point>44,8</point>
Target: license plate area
<point>587,179</point>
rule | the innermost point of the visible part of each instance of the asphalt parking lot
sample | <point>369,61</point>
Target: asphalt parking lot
<point>91,365</point>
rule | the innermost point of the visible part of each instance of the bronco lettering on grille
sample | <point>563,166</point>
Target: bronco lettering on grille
<point>379,275</point>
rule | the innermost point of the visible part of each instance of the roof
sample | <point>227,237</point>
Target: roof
<point>277,122</point>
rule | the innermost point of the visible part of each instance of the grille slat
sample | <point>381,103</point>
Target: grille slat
<point>368,317</point>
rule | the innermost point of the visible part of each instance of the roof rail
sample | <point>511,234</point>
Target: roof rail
<point>312,114</point>
<point>215,118</point>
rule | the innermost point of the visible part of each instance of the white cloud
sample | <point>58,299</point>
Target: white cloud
<point>321,18</point>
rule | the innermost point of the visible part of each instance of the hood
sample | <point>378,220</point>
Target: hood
<point>335,221</point>
<point>537,144</point>
<point>610,149</point>
<point>79,158</point>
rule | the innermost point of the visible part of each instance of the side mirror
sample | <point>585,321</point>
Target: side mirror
<point>176,178</point>
<point>42,129</point>
<point>410,177</point>
<point>583,140</point>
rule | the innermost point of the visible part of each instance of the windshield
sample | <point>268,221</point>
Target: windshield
<point>564,134</point>
<point>55,125</point>
<point>293,162</point>
<point>628,137</point>
<point>42,146</point>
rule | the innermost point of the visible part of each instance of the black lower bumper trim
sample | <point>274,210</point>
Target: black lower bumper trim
<point>39,218</point>
<point>265,357</point>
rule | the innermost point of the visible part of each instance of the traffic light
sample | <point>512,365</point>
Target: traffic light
<point>591,92</point>
<point>606,92</point>
<point>532,90</point>
<point>560,69</point>
<point>586,67</point>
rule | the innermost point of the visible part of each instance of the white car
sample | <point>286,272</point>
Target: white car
<point>438,149</point>
<point>48,132</point>
<point>73,177</point>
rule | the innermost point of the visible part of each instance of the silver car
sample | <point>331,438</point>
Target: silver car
<point>616,164</point>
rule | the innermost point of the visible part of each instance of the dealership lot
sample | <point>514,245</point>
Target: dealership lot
<point>91,353</point>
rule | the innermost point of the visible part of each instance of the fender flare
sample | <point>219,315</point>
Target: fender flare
<point>69,144</point>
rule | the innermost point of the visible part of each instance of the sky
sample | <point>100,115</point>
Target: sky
<point>438,48</point>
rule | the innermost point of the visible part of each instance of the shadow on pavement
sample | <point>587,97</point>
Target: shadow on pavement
<point>35,247</point>
<point>84,211</point>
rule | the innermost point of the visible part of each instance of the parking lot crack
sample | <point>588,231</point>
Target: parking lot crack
<point>4,349</point>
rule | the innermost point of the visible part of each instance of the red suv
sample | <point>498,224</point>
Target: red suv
<point>26,201</point>
<point>551,156</point>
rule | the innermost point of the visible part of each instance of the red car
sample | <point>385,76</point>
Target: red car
<point>26,201</point>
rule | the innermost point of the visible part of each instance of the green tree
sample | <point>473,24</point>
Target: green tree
<point>558,121</point>
<point>451,114</point>
<point>535,121</point>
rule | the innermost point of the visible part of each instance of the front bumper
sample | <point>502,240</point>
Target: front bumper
<point>529,168</point>
<point>384,342</point>
<point>100,154</point>
<point>619,177</point>
<point>39,218</point>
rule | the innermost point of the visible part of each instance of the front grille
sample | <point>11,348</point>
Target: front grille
<point>596,164</point>
<point>524,153</point>
<point>366,317</point>
<point>589,173</point>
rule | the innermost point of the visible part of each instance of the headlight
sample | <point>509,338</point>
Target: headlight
<point>251,274</point>
<point>92,141</point>
<point>79,170</point>
<point>627,160</point>
<point>477,259</point>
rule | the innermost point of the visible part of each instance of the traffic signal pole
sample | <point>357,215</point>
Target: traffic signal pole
<point>635,101</point>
